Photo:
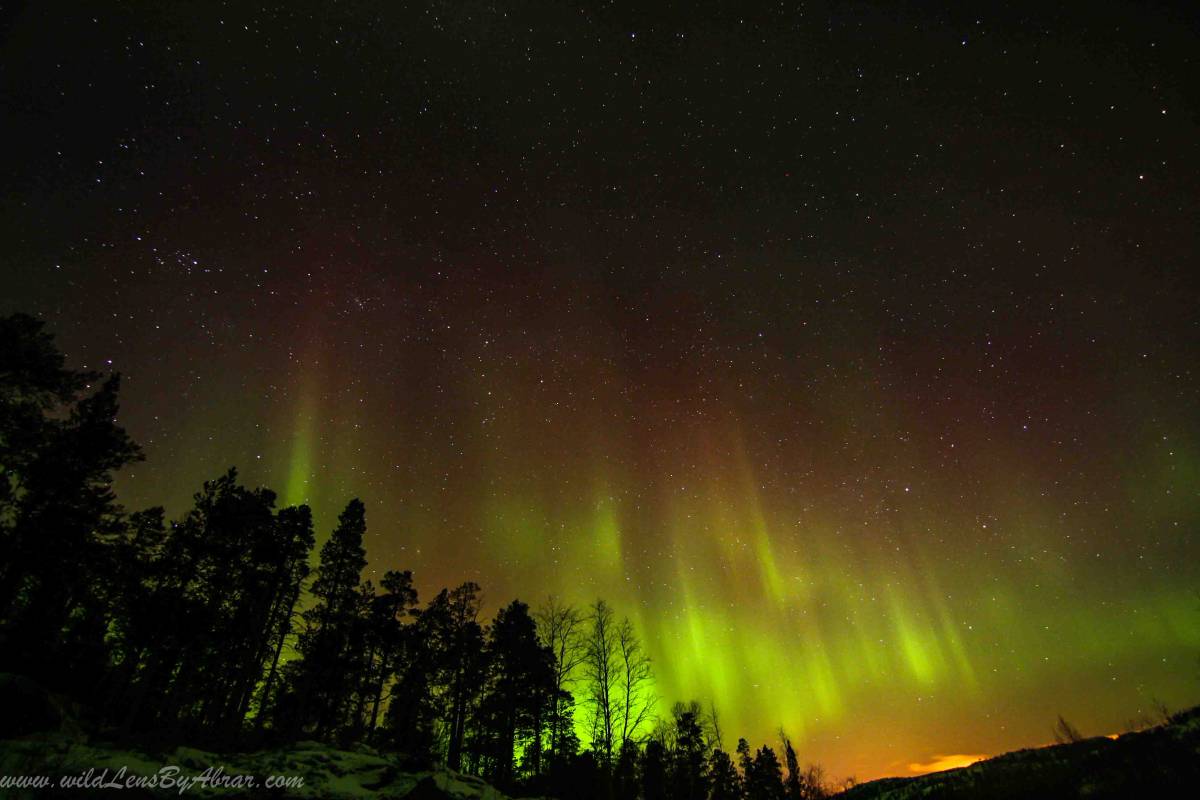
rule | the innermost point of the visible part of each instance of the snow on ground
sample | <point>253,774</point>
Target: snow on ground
<point>326,773</point>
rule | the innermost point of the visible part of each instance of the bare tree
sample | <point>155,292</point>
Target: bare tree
<point>561,628</point>
<point>663,732</point>
<point>816,786</point>
<point>620,683</point>
<point>1065,732</point>
<point>637,699</point>
<point>601,672</point>
<point>713,728</point>
<point>1162,712</point>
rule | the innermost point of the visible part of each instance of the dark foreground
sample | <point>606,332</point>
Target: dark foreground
<point>39,737</point>
<point>1163,761</point>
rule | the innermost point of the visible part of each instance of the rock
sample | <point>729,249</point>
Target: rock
<point>446,785</point>
<point>428,789</point>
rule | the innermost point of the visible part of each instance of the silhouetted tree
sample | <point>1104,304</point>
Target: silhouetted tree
<point>601,673</point>
<point>518,693</point>
<point>793,784</point>
<point>561,629</point>
<point>637,699</point>
<point>625,771</point>
<point>193,658</point>
<point>655,764</point>
<point>764,777</point>
<point>813,782</point>
<point>562,765</point>
<point>463,666</point>
<point>724,781</point>
<point>275,552</point>
<point>59,448</point>
<point>618,681</point>
<point>713,728</point>
<point>689,780</point>
<point>745,757</point>
<point>386,637</point>
<point>133,559</point>
<point>295,539</point>
<point>412,714</point>
<point>34,385</point>
<point>579,776</point>
<point>1065,732</point>
<point>322,678</point>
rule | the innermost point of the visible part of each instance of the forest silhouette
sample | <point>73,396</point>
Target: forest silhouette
<point>220,629</point>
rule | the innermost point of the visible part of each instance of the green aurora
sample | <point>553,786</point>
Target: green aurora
<point>889,591</point>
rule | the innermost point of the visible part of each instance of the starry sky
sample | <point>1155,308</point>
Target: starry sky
<point>848,348</point>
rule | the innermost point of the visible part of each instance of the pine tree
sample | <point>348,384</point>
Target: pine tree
<point>59,448</point>
<point>794,783</point>
<point>655,779</point>
<point>192,632</point>
<point>412,713</point>
<point>296,538</point>
<point>463,668</point>
<point>519,691</point>
<point>327,670</point>
<point>689,780</point>
<point>625,771</point>
<point>387,636</point>
<point>724,781</point>
<point>745,759</point>
<point>764,778</point>
<point>440,679</point>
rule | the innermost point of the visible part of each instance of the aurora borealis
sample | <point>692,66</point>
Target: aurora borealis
<point>849,350</point>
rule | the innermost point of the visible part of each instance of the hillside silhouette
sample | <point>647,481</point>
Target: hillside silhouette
<point>1161,761</point>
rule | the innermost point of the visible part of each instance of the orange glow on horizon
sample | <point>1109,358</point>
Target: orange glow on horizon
<point>942,763</point>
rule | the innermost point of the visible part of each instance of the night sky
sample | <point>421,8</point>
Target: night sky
<point>850,350</point>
